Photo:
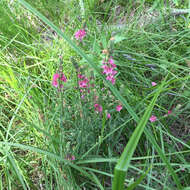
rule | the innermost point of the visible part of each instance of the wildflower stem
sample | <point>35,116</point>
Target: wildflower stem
<point>62,149</point>
<point>103,127</point>
<point>78,88</point>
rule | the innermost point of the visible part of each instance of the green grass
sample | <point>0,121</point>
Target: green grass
<point>42,127</point>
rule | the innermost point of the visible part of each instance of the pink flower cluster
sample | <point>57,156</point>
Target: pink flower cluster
<point>154,83</point>
<point>80,34</point>
<point>109,70</point>
<point>108,115</point>
<point>98,108</point>
<point>153,118</point>
<point>119,108</point>
<point>84,82</point>
<point>57,77</point>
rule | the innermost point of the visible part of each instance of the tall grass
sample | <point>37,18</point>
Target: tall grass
<point>41,128</point>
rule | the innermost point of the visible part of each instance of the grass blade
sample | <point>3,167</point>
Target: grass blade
<point>17,171</point>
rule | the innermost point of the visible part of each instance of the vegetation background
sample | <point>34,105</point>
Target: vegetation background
<point>51,138</point>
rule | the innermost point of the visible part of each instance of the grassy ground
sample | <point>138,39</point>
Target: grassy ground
<point>54,138</point>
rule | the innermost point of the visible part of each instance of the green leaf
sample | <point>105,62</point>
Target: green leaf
<point>17,171</point>
<point>97,181</point>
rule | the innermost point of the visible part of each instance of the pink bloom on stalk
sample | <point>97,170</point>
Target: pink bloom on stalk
<point>63,78</point>
<point>81,76</point>
<point>111,62</point>
<point>72,157</point>
<point>107,70</point>
<point>83,83</point>
<point>55,83</point>
<point>119,108</point>
<point>154,83</point>
<point>108,115</point>
<point>111,79</point>
<point>114,73</point>
<point>80,34</point>
<point>153,118</point>
<point>98,107</point>
<point>56,77</point>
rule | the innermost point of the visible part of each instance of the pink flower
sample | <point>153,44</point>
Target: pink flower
<point>55,83</point>
<point>84,83</point>
<point>114,73</point>
<point>98,107</point>
<point>57,77</point>
<point>108,115</point>
<point>169,112</point>
<point>63,78</point>
<point>153,118</point>
<point>119,108</point>
<point>55,80</point>
<point>111,61</point>
<point>109,69</point>
<point>80,34</point>
<point>111,79</point>
<point>81,76</point>
<point>154,83</point>
<point>72,157</point>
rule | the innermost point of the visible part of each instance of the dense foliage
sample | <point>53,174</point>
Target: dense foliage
<point>95,95</point>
